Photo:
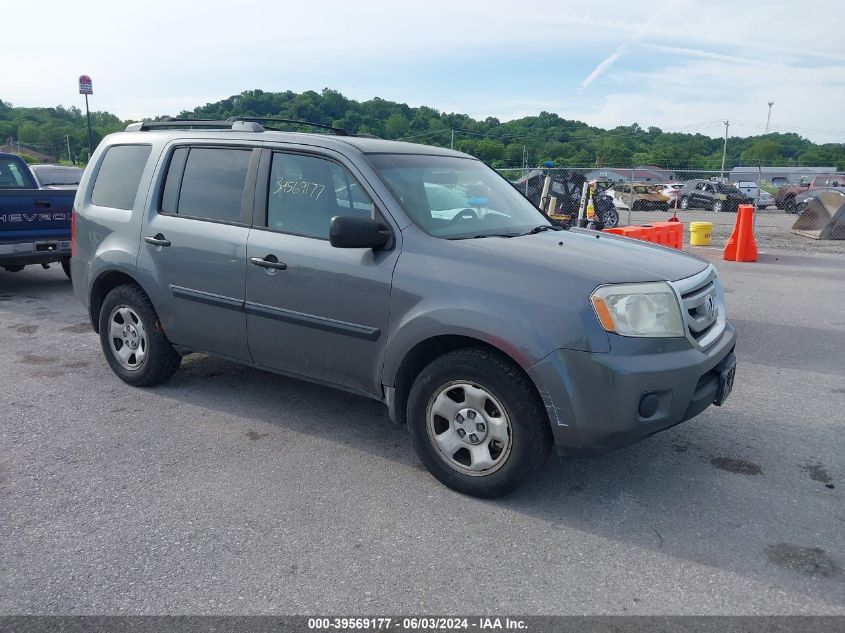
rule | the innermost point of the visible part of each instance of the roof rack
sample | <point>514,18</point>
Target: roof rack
<point>258,119</point>
<point>237,123</point>
<point>208,124</point>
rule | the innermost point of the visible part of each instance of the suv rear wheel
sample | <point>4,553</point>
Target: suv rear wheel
<point>717,206</point>
<point>684,202</point>
<point>132,339</point>
<point>477,424</point>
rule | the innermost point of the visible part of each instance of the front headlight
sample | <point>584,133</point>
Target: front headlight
<point>648,309</point>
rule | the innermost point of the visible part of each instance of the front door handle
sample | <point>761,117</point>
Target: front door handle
<point>271,261</point>
<point>157,240</point>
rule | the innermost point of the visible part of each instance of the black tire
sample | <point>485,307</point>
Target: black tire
<point>610,218</point>
<point>161,360</point>
<point>66,266</point>
<point>530,437</point>
<point>13,269</point>
<point>718,206</point>
<point>789,204</point>
<point>684,203</point>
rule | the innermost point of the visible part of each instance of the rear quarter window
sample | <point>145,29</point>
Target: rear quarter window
<point>119,176</point>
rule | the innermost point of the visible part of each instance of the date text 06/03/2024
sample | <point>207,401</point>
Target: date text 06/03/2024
<point>416,623</point>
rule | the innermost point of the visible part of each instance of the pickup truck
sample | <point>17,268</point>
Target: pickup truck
<point>34,223</point>
<point>785,197</point>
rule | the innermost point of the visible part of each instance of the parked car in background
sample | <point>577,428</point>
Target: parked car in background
<point>765,199</point>
<point>236,243</point>
<point>644,198</point>
<point>35,224</point>
<point>785,197</point>
<point>751,188</point>
<point>56,176</point>
<point>715,196</point>
<point>673,192</point>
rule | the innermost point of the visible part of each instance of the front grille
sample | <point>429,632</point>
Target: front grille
<point>702,307</point>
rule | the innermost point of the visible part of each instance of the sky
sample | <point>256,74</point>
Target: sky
<point>680,65</point>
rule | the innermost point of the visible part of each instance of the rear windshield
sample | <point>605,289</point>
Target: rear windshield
<point>13,174</point>
<point>119,176</point>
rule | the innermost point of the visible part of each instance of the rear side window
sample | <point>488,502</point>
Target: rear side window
<point>212,184</point>
<point>119,176</point>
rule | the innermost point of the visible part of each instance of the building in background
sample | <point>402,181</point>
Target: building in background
<point>641,174</point>
<point>779,176</point>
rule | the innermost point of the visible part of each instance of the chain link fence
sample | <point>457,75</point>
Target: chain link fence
<point>640,195</point>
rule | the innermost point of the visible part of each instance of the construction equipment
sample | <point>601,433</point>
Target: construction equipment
<point>823,217</point>
<point>566,188</point>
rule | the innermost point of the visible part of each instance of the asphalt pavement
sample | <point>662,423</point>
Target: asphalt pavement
<point>234,491</point>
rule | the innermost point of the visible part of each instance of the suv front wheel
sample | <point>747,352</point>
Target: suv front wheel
<point>477,423</point>
<point>132,338</point>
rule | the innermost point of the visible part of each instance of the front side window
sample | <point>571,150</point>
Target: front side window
<point>213,183</point>
<point>119,176</point>
<point>306,192</point>
<point>456,198</point>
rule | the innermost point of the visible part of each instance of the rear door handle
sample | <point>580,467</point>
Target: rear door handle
<point>271,261</point>
<point>157,240</point>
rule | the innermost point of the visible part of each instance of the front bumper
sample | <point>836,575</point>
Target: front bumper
<point>593,399</point>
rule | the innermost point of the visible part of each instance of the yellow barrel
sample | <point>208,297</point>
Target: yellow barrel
<point>699,233</point>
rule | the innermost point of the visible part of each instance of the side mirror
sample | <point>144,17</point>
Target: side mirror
<point>350,231</point>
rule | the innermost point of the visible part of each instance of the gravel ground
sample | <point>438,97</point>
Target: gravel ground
<point>771,229</point>
<point>233,491</point>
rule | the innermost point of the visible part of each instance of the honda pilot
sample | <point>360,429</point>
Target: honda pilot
<point>413,275</point>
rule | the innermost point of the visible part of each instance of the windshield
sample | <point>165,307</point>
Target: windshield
<point>456,198</point>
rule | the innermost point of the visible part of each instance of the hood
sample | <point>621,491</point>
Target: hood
<point>592,255</point>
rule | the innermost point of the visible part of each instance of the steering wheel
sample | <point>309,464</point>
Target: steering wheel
<point>464,215</point>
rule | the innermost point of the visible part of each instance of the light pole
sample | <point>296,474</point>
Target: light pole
<point>724,151</point>
<point>769,117</point>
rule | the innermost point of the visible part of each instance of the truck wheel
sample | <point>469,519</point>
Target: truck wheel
<point>717,206</point>
<point>132,339</point>
<point>789,204</point>
<point>685,202</point>
<point>477,423</point>
<point>66,266</point>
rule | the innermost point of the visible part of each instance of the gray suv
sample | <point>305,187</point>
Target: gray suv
<point>413,275</point>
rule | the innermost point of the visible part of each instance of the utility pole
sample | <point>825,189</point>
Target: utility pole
<point>69,155</point>
<point>724,151</point>
<point>452,142</point>
<point>769,117</point>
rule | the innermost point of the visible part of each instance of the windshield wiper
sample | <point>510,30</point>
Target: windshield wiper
<point>478,237</point>
<point>544,227</point>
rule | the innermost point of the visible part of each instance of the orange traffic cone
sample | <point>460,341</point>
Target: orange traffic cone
<point>741,246</point>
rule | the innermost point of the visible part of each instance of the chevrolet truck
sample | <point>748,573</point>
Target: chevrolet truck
<point>34,223</point>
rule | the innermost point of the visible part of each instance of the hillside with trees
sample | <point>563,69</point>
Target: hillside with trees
<point>546,137</point>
